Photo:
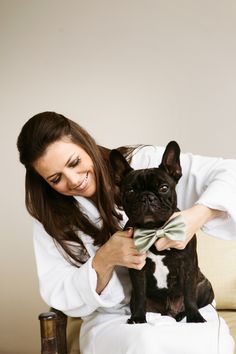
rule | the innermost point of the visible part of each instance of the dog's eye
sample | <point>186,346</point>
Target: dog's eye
<point>163,188</point>
<point>130,191</point>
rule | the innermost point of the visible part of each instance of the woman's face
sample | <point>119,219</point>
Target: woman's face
<point>68,169</point>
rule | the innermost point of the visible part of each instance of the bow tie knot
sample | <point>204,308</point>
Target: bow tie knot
<point>174,229</point>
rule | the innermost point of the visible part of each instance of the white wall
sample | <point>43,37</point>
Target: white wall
<point>129,71</point>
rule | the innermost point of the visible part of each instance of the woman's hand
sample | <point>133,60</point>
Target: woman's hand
<point>118,250</point>
<point>195,218</point>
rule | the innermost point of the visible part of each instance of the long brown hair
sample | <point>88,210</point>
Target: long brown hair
<point>59,214</point>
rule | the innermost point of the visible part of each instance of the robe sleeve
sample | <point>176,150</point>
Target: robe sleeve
<point>67,287</point>
<point>209,181</point>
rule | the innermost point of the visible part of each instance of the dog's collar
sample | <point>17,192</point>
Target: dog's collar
<point>174,229</point>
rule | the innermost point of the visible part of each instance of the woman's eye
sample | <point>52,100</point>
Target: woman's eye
<point>56,180</point>
<point>75,162</point>
<point>164,188</point>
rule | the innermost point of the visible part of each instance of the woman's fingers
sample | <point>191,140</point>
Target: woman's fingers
<point>138,261</point>
<point>122,251</point>
<point>165,243</point>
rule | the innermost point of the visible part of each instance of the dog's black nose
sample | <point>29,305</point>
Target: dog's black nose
<point>148,198</point>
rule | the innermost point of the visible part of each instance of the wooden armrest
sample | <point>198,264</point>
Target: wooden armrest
<point>53,332</point>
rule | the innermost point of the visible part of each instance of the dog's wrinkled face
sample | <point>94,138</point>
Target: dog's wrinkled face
<point>148,196</point>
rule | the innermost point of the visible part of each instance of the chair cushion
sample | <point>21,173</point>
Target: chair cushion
<point>217,261</point>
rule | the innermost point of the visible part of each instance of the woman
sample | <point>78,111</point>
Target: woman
<point>82,254</point>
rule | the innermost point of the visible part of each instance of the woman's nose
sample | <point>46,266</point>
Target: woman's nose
<point>72,180</point>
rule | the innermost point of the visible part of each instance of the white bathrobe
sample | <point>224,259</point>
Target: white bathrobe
<point>205,180</point>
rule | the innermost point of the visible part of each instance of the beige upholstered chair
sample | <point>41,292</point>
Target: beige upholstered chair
<point>217,260</point>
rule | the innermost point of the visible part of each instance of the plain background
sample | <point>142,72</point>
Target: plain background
<point>129,71</point>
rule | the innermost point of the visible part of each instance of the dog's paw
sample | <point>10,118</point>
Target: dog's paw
<point>197,318</point>
<point>180,316</point>
<point>133,320</point>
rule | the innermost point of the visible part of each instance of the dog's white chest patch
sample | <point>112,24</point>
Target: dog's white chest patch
<point>161,271</point>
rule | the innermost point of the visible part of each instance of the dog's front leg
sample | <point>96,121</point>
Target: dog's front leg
<point>190,301</point>
<point>138,296</point>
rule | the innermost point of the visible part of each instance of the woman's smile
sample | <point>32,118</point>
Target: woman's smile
<point>84,184</point>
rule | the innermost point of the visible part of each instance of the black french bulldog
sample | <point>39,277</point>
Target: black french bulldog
<point>148,197</point>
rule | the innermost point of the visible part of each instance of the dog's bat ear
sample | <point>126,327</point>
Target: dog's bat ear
<point>119,165</point>
<point>171,160</point>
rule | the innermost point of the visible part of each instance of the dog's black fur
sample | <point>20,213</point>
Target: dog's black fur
<point>149,198</point>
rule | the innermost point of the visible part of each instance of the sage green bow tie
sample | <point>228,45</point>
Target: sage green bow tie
<point>174,229</point>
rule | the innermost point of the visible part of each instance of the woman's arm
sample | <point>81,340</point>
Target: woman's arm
<point>79,291</point>
<point>66,287</point>
<point>195,217</point>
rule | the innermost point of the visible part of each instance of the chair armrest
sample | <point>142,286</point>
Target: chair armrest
<point>53,332</point>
